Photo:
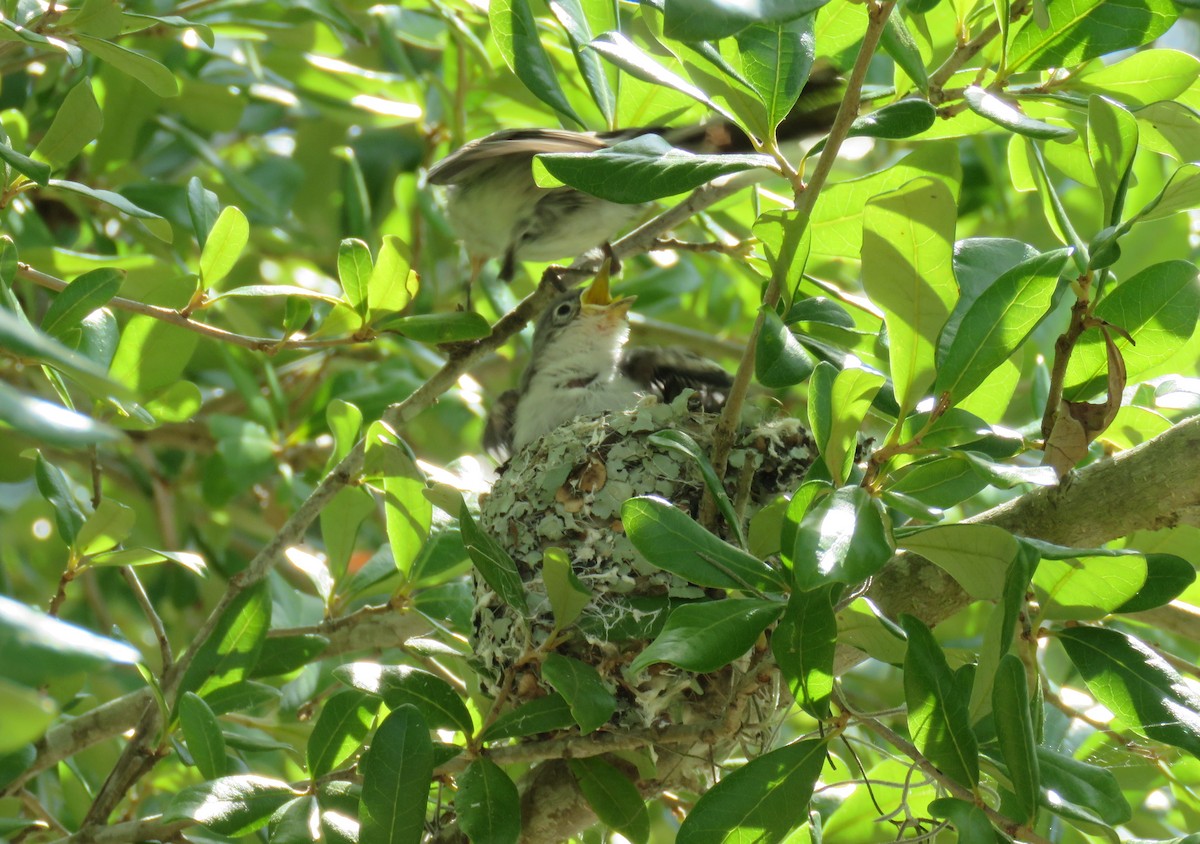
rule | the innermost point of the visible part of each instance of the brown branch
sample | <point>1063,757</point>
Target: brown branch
<point>182,320</point>
<point>967,51</point>
<point>727,425</point>
<point>1063,347</point>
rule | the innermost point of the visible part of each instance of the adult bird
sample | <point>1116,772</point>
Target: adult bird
<point>499,211</point>
<point>580,366</point>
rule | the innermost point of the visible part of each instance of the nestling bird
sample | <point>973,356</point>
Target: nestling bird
<point>580,367</point>
<point>498,210</point>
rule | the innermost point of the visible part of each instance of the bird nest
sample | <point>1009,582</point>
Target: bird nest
<point>566,491</point>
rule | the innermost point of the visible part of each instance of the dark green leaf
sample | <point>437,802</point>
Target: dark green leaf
<point>241,697</point>
<point>568,595</point>
<point>156,225</point>
<point>590,701</point>
<point>970,822</point>
<point>776,61</point>
<point>82,296</point>
<point>997,322</point>
<point>682,442</point>
<point>1081,791</point>
<point>937,710</point>
<point>779,360</point>
<point>633,60</point>
<point>1014,733</point>
<point>705,636</point>
<point>56,487</point>
<point>644,169</point>
<point>492,562</point>
<point>899,43</point>
<point>232,806</point>
<point>344,722</point>
<point>76,124</point>
<point>396,774</point>
<point>141,67</point>
<point>541,715</point>
<point>1166,578</point>
<point>1136,684</point>
<point>894,121</point>
<point>440,706</point>
<point>1079,30</point>
<point>571,14</point>
<point>17,335</point>
<point>1112,141</point>
<point>1003,114</point>
<point>203,735</point>
<point>35,171</point>
<point>842,538</point>
<point>766,798</point>
<point>285,654</point>
<point>615,800</point>
<point>668,538</point>
<point>516,35</point>
<point>438,328</point>
<point>229,654</point>
<point>803,645</point>
<point>487,804</point>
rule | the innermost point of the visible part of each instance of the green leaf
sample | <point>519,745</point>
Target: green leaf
<point>1136,684</point>
<point>1015,735</point>
<point>341,519</point>
<point>998,322</point>
<point>1088,587</point>
<point>141,67</point>
<point>230,652</point>
<point>354,272</point>
<point>615,800</point>
<point>342,726</point>
<point>643,169</point>
<point>515,33</point>
<point>1140,79</point>
<point>285,654</point>
<point>937,708</point>
<point>35,171</point>
<point>1079,30</point>
<point>1080,791</point>
<point>438,328</point>
<point>908,239</point>
<point>779,359</point>
<point>850,398</point>
<point>1181,193</point>
<point>671,540</point>
<point>786,241</point>
<point>56,487</point>
<point>803,645</point>
<point>1159,307</point>
<point>898,42</point>
<point>590,701</point>
<point>541,715</point>
<point>243,697</point>
<point>969,821</point>
<point>567,593</point>
<point>51,423</point>
<point>843,538</point>
<point>231,806</point>
<point>27,715</point>
<point>396,774</point>
<point>1007,116</point>
<point>492,562</point>
<point>709,20</point>
<point>147,556</point>
<point>155,224</point>
<point>1112,141</point>
<point>776,61</point>
<point>487,804</point>
<point>203,735</point>
<point>440,705</point>
<point>105,528</point>
<point>977,556</point>
<point>85,294</point>
<point>203,209</point>
<point>1167,576</point>
<point>894,121</point>
<point>38,648</point>
<point>761,801</point>
<point>392,284</point>
<point>571,14</point>
<point>76,124</point>
<point>682,442</point>
<point>223,246</point>
<point>297,821</point>
<point>21,338</point>
<point>705,636</point>
<point>407,512</point>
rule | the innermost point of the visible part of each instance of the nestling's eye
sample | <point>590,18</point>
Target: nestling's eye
<point>563,310</point>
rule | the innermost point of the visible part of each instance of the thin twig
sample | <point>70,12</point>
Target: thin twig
<point>967,51</point>
<point>156,624</point>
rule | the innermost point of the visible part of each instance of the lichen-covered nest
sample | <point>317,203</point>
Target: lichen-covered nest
<point>566,491</point>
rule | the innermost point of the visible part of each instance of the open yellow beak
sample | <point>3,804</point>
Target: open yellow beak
<point>598,295</point>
